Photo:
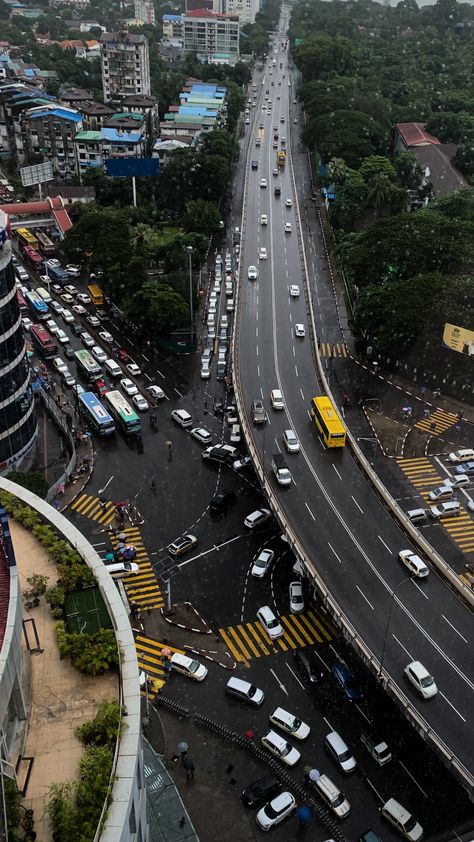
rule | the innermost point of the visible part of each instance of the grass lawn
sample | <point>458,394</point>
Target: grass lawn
<point>169,233</point>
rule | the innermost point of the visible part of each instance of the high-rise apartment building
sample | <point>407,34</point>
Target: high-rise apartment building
<point>18,426</point>
<point>125,65</point>
<point>145,11</point>
<point>213,37</point>
<point>245,9</point>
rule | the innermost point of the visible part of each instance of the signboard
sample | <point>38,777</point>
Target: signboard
<point>128,167</point>
<point>37,174</point>
<point>459,339</point>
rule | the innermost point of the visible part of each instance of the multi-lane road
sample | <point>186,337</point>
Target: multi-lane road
<point>347,534</point>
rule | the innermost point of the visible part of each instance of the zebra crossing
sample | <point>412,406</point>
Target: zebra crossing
<point>420,472</point>
<point>91,507</point>
<point>249,640</point>
<point>333,349</point>
<point>436,422</point>
<point>461,531</point>
<point>141,589</point>
<point>151,661</point>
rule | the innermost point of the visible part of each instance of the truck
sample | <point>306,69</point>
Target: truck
<point>281,470</point>
<point>281,157</point>
<point>377,748</point>
<point>57,274</point>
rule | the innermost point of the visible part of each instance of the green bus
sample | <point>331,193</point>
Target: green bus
<point>123,413</point>
<point>88,366</point>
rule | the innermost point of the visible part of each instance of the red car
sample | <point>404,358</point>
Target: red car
<point>123,356</point>
<point>101,388</point>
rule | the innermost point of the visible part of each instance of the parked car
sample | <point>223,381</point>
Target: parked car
<point>221,501</point>
<point>346,681</point>
<point>181,417</point>
<point>256,518</point>
<point>296,597</point>
<point>260,791</point>
<point>276,810</point>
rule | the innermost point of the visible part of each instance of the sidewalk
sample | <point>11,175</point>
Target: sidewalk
<point>61,697</point>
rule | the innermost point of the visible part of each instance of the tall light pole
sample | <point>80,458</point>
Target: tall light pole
<point>406,579</point>
<point>190,252</point>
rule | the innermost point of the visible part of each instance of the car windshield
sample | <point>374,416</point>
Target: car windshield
<point>193,666</point>
<point>272,623</point>
<point>409,824</point>
<point>345,756</point>
<point>427,681</point>
<point>338,800</point>
<point>261,561</point>
<point>295,724</point>
<point>285,750</point>
<point>271,813</point>
<point>252,690</point>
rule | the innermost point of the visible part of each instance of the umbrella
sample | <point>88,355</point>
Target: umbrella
<point>165,651</point>
<point>182,747</point>
<point>314,775</point>
<point>249,734</point>
<point>304,814</point>
<point>121,536</point>
<point>109,557</point>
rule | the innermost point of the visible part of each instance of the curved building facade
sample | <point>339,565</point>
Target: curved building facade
<point>18,426</point>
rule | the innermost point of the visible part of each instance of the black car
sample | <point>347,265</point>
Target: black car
<point>255,165</point>
<point>76,328</point>
<point>261,791</point>
<point>277,191</point>
<point>309,666</point>
<point>69,352</point>
<point>221,501</point>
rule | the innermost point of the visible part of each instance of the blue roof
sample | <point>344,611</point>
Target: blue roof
<point>3,57</point>
<point>197,109</point>
<point>121,136</point>
<point>171,17</point>
<point>58,112</point>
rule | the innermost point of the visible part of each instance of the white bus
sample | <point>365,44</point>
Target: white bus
<point>123,413</point>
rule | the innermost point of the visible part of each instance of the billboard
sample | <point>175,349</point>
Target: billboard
<point>459,339</point>
<point>37,174</point>
<point>128,167</point>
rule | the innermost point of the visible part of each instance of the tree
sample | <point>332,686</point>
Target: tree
<point>157,308</point>
<point>202,217</point>
<point>319,54</point>
<point>337,171</point>
<point>377,165</point>
<point>34,482</point>
<point>379,190</point>
<point>350,135</point>
<point>350,201</point>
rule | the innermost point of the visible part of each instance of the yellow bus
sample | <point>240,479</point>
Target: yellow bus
<point>26,238</point>
<point>96,295</point>
<point>328,422</point>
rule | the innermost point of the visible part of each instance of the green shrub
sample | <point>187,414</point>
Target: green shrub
<point>12,807</point>
<point>63,639</point>
<point>102,730</point>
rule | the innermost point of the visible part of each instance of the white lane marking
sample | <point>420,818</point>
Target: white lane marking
<point>178,392</point>
<point>101,490</point>
<point>413,779</point>
<point>258,372</point>
<point>385,545</point>
<point>309,510</point>
<point>337,472</point>
<point>282,686</point>
<point>294,352</point>
<point>159,372</point>
<point>256,350</point>
<point>334,551</point>
<point>295,676</point>
<point>420,589</point>
<point>375,790</point>
<point>261,392</point>
<point>362,713</point>
<point>291,317</point>
<point>454,628</point>
<point>256,315</point>
<point>147,376</point>
<point>402,646</point>
<point>296,370</point>
<point>452,706</point>
<point>214,549</point>
<point>364,596</point>
<point>302,395</point>
<point>278,446</point>
<point>145,358</point>
<point>355,501</point>
<point>256,332</point>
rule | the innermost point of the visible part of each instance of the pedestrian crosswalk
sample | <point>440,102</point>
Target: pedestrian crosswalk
<point>333,349</point>
<point>151,660</point>
<point>141,589</point>
<point>436,422</point>
<point>249,640</point>
<point>92,508</point>
<point>461,531</point>
<point>420,472</point>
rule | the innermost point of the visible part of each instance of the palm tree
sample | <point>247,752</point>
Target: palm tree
<point>337,170</point>
<point>380,188</point>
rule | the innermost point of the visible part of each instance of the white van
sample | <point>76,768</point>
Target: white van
<point>244,691</point>
<point>332,796</point>
<point>290,723</point>
<point>464,455</point>
<point>113,368</point>
<point>414,563</point>
<point>122,569</point>
<point>44,294</point>
<point>336,747</point>
<point>188,666</point>
<point>402,820</point>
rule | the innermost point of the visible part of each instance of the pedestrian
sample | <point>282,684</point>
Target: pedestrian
<point>459,415</point>
<point>170,451</point>
<point>188,768</point>
<point>306,771</point>
<point>426,412</point>
<point>433,426</point>
<point>183,750</point>
<point>153,487</point>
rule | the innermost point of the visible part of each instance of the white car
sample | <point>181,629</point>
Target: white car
<point>53,261</point>
<point>52,327</point>
<point>141,403</point>
<point>155,392</point>
<point>68,378</point>
<point>288,228</point>
<point>262,563</point>
<point>59,364</point>
<point>71,289</point>
<point>262,255</point>
<point>465,455</point>
<point>94,321</point>
<point>205,370</point>
<point>26,322</point>
<point>290,723</point>
<point>72,270</point>
<point>291,441</point>
<point>275,171</point>
<point>276,810</point>
<point>414,563</point>
<point>128,387</point>
<point>87,339</point>
<point>441,493</point>
<point>269,622</point>
<point>252,273</point>
<point>22,273</point>
<point>421,680</point>
<point>83,298</point>
<point>99,354</point>
<point>67,316</point>
<point>79,309</point>
<point>281,748</point>
<point>62,337</point>
<point>256,518</point>
<point>296,597</point>
<point>288,203</point>
<point>264,219</point>
<point>202,435</point>
<point>300,332</point>
<point>276,399</point>
<point>106,337</point>
<point>182,417</point>
<point>263,182</point>
<point>56,307</point>
<point>459,481</point>
<point>294,290</point>
<point>68,299</point>
<point>133,369</point>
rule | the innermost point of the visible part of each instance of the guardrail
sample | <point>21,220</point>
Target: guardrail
<point>60,420</point>
<point>328,600</point>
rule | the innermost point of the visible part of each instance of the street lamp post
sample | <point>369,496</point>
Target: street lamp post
<point>395,589</point>
<point>190,251</point>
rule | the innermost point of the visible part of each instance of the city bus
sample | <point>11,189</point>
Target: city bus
<point>88,366</point>
<point>21,302</point>
<point>98,417</point>
<point>46,246</point>
<point>26,238</point>
<point>43,342</point>
<point>33,259</point>
<point>328,422</point>
<point>96,295</point>
<point>123,413</point>
<point>38,307</point>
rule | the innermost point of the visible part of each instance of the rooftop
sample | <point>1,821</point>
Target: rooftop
<point>122,38</point>
<point>414,134</point>
<point>444,176</point>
